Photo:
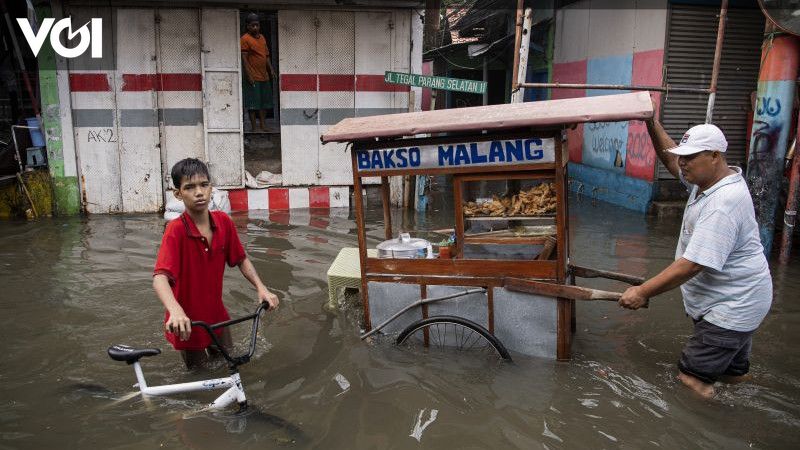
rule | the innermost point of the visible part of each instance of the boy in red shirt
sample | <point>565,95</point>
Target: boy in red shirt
<point>191,262</point>
<point>258,71</point>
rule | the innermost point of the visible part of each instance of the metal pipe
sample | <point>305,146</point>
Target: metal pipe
<point>517,43</point>
<point>621,87</point>
<point>518,94</point>
<point>422,301</point>
<point>712,96</point>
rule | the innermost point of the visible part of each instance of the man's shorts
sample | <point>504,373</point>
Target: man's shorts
<point>258,96</point>
<point>713,351</point>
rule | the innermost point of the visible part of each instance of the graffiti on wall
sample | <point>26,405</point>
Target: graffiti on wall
<point>605,145</point>
<point>770,134</point>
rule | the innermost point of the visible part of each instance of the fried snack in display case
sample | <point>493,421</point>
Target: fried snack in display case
<point>509,219</point>
<point>536,201</point>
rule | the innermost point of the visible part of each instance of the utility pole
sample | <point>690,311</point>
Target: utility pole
<point>772,120</point>
<point>432,22</point>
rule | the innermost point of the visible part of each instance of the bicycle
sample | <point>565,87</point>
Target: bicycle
<point>233,383</point>
<point>446,332</point>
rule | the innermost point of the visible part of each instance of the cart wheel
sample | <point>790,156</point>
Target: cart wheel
<point>455,333</point>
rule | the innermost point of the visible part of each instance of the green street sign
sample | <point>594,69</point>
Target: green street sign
<point>431,82</point>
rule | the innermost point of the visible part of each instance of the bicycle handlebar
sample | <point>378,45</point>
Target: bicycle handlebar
<point>234,360</point>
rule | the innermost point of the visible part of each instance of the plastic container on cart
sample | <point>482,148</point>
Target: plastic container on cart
<point>37,138</point>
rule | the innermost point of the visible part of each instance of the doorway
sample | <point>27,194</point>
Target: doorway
<point>262,140</point>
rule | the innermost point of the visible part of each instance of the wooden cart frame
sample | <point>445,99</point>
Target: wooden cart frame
<point>457,271</point>
<point>545,119</point>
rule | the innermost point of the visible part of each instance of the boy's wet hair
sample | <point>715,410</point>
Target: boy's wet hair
<point>252,17</point>
<point>188,168</point>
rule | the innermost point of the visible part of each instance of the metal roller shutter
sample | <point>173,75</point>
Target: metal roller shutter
<point>691,39</point>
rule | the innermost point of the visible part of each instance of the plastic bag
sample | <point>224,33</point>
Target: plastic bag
<point>219,202</point>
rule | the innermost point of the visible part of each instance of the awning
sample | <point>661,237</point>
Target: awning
<point>544,114</point>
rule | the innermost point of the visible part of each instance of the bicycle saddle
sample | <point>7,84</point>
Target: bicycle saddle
<point>129,354</point>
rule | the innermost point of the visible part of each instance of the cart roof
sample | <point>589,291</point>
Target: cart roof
<point>543,114</point>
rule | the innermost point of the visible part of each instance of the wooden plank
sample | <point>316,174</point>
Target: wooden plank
<point>490,306</point>
<point>423,294</point>
<point>362,242</point>
<point>549,113</point>
<point>534,240</point>
<point>456,170</point>
<point>387,211</point>
<point>564,338</point>
<point>372,144</point>
<point>458,206</point>
<point>587,272</point>
<point>511,175</point>
<point>559,290</point>
<point>438,280</point>
<point>463,267</point>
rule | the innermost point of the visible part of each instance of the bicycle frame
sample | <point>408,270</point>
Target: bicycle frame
<point>233,384</point>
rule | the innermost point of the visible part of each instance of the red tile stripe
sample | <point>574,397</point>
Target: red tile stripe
<point>278,199</point>
<point>162,82</point>
<point>375,83</point>
<point>238,199</point>
<point>89,82</point>
<point>133,82</point>
<point>319,197</point>
<point>298,82</point>
<point>337,83</point>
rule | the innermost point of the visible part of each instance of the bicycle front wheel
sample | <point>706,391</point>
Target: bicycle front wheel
<point>452,333</point>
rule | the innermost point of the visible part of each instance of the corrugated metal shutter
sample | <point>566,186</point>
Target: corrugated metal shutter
<point>690,55</point>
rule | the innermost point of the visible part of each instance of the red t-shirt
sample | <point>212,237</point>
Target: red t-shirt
<point>195,271</point>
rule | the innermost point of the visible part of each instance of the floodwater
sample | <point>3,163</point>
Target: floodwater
<point>72,287</point>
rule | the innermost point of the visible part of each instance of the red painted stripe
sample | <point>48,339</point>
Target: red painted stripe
<point>375,83</point>
<point>238,199</point>
<point>89,82</point>
<point>279,198</point>
<point>298,82</point>
<point>162,82</point>
<point>319,197</point>
<point>779,59</point>
<point>336,83</point>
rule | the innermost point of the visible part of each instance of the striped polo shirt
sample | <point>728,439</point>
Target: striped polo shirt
<point>719,231</point>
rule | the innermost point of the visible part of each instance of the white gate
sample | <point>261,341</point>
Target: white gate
<point>222,91</point>
<point>137,113</point>
<point>180,97</point>
<point>332,65</point>
<point>95,121</point>
<point>141,110</point>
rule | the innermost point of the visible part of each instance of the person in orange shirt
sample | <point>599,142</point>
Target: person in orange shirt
<point>258,72</point>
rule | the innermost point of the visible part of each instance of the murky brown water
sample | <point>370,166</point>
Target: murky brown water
<point>71,287</point>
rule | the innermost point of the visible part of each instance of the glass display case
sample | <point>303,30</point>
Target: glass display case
<point>511,217</point>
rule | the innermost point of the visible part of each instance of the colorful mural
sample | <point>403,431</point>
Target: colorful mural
<point>614,162</point>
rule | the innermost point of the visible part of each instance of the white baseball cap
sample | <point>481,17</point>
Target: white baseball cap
<point>700,138</point>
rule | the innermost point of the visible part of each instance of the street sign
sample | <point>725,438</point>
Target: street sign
<point>431,82</point>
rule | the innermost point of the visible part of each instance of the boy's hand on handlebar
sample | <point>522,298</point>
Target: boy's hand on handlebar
<point>180,325</point>
<point>265,296</point>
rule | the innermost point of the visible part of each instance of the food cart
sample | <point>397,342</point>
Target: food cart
<point>508,270</point>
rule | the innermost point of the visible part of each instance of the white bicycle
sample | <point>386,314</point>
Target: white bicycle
<point>233,384</point>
